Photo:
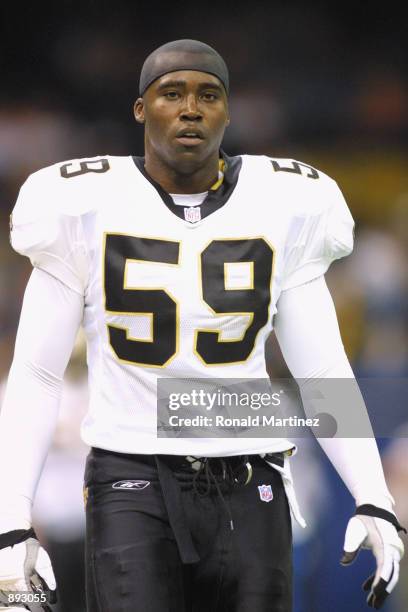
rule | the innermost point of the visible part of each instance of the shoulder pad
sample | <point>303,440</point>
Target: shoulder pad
<point>62,188</point>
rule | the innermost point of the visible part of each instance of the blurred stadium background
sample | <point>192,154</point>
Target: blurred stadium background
<point>322,84</point>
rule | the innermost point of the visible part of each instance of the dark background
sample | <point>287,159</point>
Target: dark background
<point>324,84</point>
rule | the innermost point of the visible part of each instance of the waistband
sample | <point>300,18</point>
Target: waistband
<point>189,462</point>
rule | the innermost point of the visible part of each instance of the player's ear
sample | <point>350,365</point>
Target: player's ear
<point>138,110</point>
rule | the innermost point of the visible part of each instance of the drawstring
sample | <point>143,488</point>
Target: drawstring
<point>228,476</point>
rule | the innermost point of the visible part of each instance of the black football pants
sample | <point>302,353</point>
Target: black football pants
<point>134,561</point>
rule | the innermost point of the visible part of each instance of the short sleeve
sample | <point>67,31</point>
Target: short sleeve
<point>322,233</point>
<point>43,230</point>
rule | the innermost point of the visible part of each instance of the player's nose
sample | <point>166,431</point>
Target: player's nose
<point>191,110</point>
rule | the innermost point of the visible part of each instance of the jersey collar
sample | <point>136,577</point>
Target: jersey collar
<point>214,200</point>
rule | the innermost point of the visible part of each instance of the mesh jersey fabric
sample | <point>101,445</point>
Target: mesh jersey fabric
<point>61,221</point>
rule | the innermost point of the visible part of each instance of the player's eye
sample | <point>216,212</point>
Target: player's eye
<point>171,95</point>
<point>209,96</point>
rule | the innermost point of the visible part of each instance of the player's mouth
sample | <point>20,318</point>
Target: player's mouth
<point>190,137</point>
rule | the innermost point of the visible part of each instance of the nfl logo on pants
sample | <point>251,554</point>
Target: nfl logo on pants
<point>265,493</point>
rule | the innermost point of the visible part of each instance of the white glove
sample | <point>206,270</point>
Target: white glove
<point>368,530</point>
<point>26,574</point>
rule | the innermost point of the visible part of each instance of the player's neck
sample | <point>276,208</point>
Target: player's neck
<point>187,179</point>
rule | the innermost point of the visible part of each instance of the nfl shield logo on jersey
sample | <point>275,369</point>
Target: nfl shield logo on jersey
<point>265,493</point>
<point>192,214</point>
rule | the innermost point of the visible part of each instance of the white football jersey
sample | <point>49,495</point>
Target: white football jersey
<point>172,291</point>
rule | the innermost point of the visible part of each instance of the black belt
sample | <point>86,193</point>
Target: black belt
<point>175,511</point>
<point>237,468</point>
<point>239,465</point>
<point>167,465</point>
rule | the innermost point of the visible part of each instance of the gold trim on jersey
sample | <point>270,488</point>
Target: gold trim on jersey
<point>129,336</point>
<point>222,169</point>
<point>128,287</point>
<point>85,492</point>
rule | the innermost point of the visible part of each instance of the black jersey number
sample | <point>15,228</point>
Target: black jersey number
<point>252,300</point>
<point>83,167</point>
<point>296,168</point>
<point>157,303</point>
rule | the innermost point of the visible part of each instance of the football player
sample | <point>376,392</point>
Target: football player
<point>178,265</point>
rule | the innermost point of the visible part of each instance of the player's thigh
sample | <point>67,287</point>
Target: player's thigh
<point>259,575</point>
<point>133,562</point>
<point>133,579</point>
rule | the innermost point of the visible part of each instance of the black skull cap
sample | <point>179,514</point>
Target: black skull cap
<point>183,54</point>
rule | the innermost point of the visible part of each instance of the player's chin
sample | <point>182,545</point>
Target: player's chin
<point>196,155</point>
